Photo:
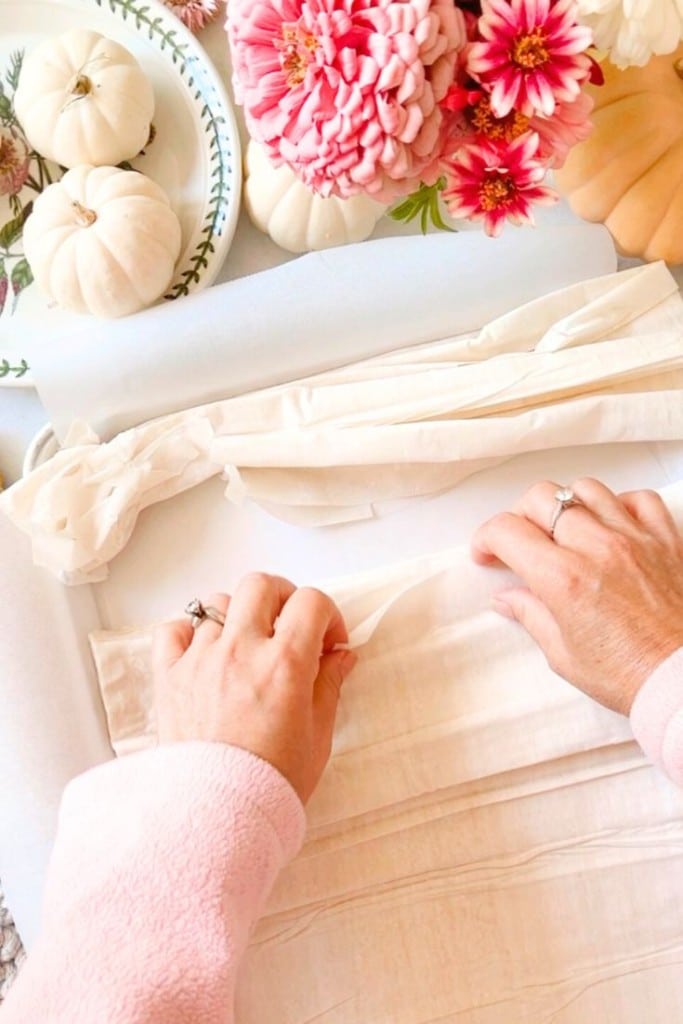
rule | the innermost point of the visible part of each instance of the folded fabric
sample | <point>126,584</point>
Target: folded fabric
<point>323,310</point>
<point>475,805</point>
<point>601,361</point>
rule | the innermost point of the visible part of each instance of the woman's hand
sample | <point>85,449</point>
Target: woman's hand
<point>267,681</point>
<point>604,598</point>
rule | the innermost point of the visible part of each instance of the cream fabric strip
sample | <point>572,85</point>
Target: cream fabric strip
<point>600,361</point>
<point>319,311</point>
<point>486,845</point>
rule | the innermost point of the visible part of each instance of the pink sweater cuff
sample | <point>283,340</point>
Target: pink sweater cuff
<point>657,716</point>
<point>162,863</point>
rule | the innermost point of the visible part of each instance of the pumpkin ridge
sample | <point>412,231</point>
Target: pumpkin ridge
<point>627,194</point>
<point>662,156</point>
<point>608,210</point>
<point>658,236</point>
<point>114,258</point>
<point>673,198</point>
<point>128,97</point>
<point>52,284</point>
<point>140,229</point>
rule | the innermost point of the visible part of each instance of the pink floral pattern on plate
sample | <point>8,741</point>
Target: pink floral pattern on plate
<point>23,174</point>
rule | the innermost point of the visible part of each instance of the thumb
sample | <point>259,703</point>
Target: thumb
<point>520,604</point>
<point>334,668</point>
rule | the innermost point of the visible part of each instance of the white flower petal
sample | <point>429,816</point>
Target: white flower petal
<point>633,30</point>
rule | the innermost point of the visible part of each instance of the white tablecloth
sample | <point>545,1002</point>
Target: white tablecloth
<point>56,729</point>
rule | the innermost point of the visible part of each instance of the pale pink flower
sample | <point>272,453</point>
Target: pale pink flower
<point>15,162</point>
<point>347,92</point>
<point>569,125</point>
<point>531,55</point>
<point>194,14</point>
<point>495,183</point>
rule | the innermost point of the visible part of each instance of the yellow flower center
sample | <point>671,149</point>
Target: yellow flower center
<point>505,128</point>
<point>529,51</point>
<point>496,190</point>
<point>296,52</point>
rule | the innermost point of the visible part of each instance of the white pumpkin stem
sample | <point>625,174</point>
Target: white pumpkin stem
<point>81,87</point>
<point>678,67</point>
<point>84,217</point>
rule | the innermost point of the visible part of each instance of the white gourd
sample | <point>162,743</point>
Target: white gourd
<point>103,241</point>
<point>84,99</point>
<point>295,217</point>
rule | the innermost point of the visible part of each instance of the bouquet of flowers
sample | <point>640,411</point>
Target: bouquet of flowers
<point>415,100</point>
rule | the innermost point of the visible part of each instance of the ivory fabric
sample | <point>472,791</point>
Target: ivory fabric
<point>319,311</point>
<point>600,361</point>
<point>487,844</point>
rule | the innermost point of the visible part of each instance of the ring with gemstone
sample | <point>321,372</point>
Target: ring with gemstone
<point>199,613</point>
<point>564,499</point>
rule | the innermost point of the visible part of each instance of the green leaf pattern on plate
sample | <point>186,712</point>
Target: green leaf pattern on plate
<point>216,127</point>
<point>23,172</point>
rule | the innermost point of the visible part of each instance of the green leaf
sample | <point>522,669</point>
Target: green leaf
<point>13,229</point>
<point>20,278</point>
<point>4,285</point>
<point>423,203</point>
<point>12,75</point>
<point>17,371</point>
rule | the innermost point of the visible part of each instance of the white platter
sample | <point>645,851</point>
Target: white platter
<point>194,155</point>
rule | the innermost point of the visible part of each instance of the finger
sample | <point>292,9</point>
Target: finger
<point>334,668</point>
<point>539,506</point>
<point>310,624</point>
<point>170,640</point>
<point>257,602</point>
<point>603,503</point>
<point>648,509</point>
<point>526,549</point>
<point>520,604</point>
<point>208,631</point>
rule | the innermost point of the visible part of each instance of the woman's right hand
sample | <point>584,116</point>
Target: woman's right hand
<point>267,681</point>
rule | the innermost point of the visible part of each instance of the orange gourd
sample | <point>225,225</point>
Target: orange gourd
<point>629,173</point>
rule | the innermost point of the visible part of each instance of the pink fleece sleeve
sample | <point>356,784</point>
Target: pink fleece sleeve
<point>657,716</point>
<point>162,863</point>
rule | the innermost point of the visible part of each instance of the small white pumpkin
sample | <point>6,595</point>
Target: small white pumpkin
<point>102,241</point>
<point>84,99</point>
<point>296,218</point>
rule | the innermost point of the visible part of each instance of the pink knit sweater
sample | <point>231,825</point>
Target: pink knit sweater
<point>163,861</point>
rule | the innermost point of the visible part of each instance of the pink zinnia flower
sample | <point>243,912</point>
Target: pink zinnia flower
<point>531,55</point>
<point>15,162</point>
<point>347,92</point>
<point>495,183</point>
<point>194,14</point>
<point>569,125</point>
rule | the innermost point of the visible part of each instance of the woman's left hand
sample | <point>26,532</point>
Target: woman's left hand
<point>268,680</point>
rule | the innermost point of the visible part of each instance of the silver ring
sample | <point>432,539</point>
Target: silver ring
<point>564,499</point>
<point>199,613</point>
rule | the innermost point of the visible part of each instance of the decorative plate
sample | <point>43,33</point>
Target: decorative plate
<point>194,153</point>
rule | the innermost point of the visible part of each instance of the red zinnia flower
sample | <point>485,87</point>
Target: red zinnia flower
<point>495,183</point>
<point>531,55</point>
